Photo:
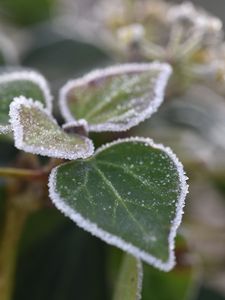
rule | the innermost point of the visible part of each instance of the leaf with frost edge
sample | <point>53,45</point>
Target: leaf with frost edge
<point>160,86</point>
<point>117,241</point>
<point>35,78</point>
<point>18,132</point>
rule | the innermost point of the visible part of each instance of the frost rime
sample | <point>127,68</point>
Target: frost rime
<point>49,141</point>
<point>35,78</point>
<point>133,117</point>
<point>115,240</point>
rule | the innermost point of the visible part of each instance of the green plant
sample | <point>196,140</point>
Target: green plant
<point>130,192</point>
<point>88,152</point>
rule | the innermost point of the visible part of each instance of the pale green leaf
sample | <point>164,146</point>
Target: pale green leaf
<point>26,83</point>
<point>36,131</point>
<point>116,98</point>
<point>129,282</point>
<point>130,194</point>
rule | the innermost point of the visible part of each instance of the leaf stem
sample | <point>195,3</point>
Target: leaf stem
<point>14,222</point>
<point>28,174</point>
<point>32,174</point>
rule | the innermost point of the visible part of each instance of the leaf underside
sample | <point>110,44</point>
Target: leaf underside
<point>127,194</point>
<point>115,102</point>
<point>37,132</point>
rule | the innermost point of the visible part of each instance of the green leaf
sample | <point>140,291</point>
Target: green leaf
<point>129,281</point>
<point>116,98</point>
<point>130,194</point>
<point>36,131</point>
<point>27,83</point>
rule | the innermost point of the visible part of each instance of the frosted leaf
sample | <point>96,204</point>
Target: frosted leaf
<point>36,131</point>
<point>21,83</point>
<point>116,98</point>
<point>130,194</point>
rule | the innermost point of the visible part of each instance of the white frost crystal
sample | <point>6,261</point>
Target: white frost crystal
<point>133,111</point>
<point>33,77</point>
<point>93,228</point>
<point>36,131</point>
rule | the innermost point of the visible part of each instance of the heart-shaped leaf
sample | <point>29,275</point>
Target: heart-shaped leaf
<point>116,98</point>
<point>37,132</point>
<point>22,83</point>
<point>130,194</point>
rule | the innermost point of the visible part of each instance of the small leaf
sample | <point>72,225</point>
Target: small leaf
<point>130,194</point>
<point>116,98</point>
<point>26,83</point>
<point>129,282</point>
<point>36,131</point>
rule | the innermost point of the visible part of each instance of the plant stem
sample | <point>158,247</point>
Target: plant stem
<point>30,174</point>
<point>14,222</point>
<point>22,173</point>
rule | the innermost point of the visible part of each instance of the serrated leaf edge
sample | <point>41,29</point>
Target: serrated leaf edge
<point>18,132</point>
<point>161,83</point>
<point>117,241</point>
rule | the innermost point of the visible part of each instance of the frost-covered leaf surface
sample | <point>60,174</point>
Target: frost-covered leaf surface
<point>22,83</point>
<point>37,132</point>
<point>130,194</point>
<point>129,281</point>
<point>116,98</point>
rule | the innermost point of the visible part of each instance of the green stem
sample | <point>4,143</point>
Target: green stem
<point>31,174</point>
<point>22,173</point>
<point>14,222</point>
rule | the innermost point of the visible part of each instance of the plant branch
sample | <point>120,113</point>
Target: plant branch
<point>14,222</point>
<point>21,173</point>
<point>19,205</point>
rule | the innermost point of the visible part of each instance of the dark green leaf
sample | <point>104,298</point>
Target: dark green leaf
<point>130,194</point>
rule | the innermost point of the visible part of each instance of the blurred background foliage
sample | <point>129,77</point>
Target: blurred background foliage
<point>57,260</point>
